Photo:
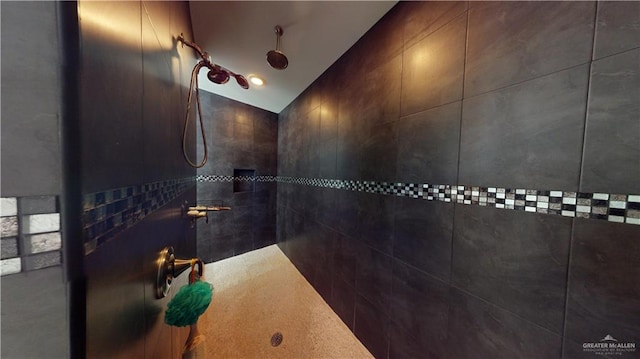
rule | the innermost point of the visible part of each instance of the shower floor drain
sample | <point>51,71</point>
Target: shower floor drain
<point>276,339</point>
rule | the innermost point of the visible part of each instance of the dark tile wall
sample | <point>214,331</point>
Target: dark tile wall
<point>121,300</point>
<point>603,290</point>
<point>525,41</point>
<point>33,302</point>
<point>524,263</point>
<point>611,151</point>
<point>526,135</point>
<point>539,95</point>
<point>133,86</point>
<point>479,329</point>
<point>239,137</point>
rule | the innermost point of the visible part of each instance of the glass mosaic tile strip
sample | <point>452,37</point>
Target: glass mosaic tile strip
<point>622,208</point>
<point>108,213</point>
<point>31,236</point>
<point>220,178</point>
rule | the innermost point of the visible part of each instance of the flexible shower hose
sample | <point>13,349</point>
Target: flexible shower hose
<point>194,81</point>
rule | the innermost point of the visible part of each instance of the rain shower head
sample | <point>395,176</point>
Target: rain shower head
<point>276,58</point>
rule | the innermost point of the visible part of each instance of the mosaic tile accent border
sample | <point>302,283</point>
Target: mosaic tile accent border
<point>219,178</point>
<point>110,212</point>
<point>29,233</point>
<point>620,208</point>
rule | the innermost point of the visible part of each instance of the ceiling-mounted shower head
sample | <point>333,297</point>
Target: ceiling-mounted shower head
<point>276,58</point>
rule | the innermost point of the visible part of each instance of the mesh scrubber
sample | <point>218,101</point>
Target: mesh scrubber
<point>189,303</point>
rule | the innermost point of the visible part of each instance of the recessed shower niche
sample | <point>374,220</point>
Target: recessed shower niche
<point>243,180</point>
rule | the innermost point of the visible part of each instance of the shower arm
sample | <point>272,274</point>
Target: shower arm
<point>203,54</point>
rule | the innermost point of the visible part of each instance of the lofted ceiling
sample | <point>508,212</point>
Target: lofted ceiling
<point>238,34</point>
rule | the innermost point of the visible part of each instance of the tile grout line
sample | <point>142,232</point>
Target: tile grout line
<point>588,98</point>
<point>494,306</point>
<point>580,178</point>
<point>567,286</point>
<point>21,238</point>
<point>454,209</point>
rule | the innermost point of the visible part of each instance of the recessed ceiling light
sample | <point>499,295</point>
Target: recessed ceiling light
<point>256,80</point>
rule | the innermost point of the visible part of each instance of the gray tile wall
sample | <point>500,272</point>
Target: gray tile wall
<point>133,85</point>
<point>528,135</point>
<point>33,302</point>
<point>243,137</point>
<point>522,95</point>
<point>31,100</point>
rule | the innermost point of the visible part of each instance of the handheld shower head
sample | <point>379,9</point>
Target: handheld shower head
<point>218,76</point>
<point>242,81</point>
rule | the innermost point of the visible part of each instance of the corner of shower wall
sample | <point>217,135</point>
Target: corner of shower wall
<point>241,174</point>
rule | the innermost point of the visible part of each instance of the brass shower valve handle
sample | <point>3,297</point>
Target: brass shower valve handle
<point>209,208</point>
<point>170,267</point>
<point>196,212</point>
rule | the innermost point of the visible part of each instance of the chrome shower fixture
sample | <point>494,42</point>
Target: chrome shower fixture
<point>217,74</point>
<point>276,58</point>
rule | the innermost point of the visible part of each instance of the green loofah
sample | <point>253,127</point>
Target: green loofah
<point>189,304</point>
